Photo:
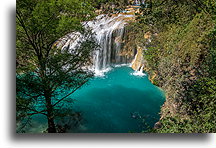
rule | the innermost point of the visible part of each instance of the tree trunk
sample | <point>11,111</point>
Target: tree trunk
<point>50,117</point>
<point>47,94</point>
<point>50,114</point>
<point>51,125</point>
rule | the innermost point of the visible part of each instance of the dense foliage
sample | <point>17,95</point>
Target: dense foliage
<point>182,56</point>
<point>43,22</point>
<point>47,75</point>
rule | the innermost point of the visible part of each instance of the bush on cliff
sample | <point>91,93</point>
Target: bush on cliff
<point>182,54</point>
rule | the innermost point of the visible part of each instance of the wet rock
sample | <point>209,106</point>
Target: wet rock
<point>138,61</point>
<point>157,125</point>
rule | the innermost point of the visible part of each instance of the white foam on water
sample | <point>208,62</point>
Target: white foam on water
<point>138,73</point>
<point>101,73</point>
<point>121,65</point>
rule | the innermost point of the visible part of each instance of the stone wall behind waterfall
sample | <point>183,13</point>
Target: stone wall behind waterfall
<point>110,33</point>
<point>112,49</point>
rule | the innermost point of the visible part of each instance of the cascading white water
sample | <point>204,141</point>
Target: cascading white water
<point>109,32</point>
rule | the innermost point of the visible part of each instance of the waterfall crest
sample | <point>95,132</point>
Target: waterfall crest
<point>109,32</point>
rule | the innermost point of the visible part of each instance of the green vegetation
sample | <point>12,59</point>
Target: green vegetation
<point>182,55</point>
<point>109,6</point>
<point>44,72</point>
<point>46,75</point>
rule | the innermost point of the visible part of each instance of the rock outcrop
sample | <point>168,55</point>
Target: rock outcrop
<point>138,61</point>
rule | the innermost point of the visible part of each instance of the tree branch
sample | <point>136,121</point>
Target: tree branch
<point>69,94</point>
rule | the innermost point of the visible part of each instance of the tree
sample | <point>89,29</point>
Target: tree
<point>47,75</point>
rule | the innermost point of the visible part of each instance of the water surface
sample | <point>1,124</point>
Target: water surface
<point>119,102</point>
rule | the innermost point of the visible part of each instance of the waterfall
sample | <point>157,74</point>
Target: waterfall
<point>109,32</point>
<point>139,72</point>
<point>138,64</point>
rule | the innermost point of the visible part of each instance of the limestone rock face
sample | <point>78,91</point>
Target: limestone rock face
<point>138,61</point>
